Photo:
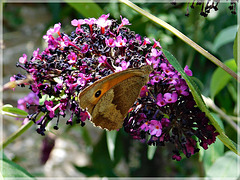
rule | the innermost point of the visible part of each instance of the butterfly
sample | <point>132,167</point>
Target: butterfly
<point>109,99</point>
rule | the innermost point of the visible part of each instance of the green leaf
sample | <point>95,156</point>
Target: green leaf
<point>199,101</point>
<point>10,169</point>
<point>224,37</point>
<point>111,140</point>
<point>88,171</point>
<point>12,111</point>
<point>101,160</point>
<point>198,82</point>
<point>233,92</point>
<point>225,167</point>
<point>16,134</point>
<point>151,151</point>
<point>236,48</point>
<point>89,9</point>
<point>220,78</point>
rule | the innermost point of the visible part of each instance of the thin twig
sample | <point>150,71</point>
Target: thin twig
<point>209,102</point>
<point>235,118</point>
<point>13,84</point>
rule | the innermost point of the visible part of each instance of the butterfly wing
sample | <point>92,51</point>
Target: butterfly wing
<point>109,99</point>
<point>111,109</point>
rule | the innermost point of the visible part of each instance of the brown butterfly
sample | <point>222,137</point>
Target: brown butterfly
<point>109,99</point>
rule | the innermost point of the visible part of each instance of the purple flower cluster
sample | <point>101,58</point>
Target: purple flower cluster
<point>165,111</point>
<point>25,102</point>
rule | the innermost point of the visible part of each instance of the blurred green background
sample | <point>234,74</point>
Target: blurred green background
<point>83,151</point>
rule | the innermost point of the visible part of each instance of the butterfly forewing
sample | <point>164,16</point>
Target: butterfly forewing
<point>109,99</point>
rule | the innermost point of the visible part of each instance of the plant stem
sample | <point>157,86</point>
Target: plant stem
<point>183,38</point>
<point>235,118</point>
<point>16,134</point>
<point>209,102</point>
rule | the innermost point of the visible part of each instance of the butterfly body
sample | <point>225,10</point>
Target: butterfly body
<point>109,99</point>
